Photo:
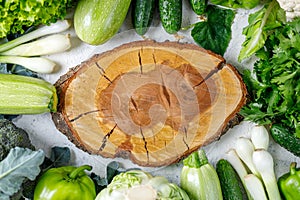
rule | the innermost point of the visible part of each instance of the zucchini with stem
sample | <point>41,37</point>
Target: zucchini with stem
<point>199,178</point>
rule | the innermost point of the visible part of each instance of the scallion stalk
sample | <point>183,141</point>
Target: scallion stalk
<point>36,64</point>
<point>255,187</point>
<point>239,167</point>
<point>259,137</point>
<point>245,149</point>
<point>264,163</point>
<point>57,27</point>
<point>55,43</point>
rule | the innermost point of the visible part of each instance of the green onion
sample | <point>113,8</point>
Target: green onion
<point>52,44</point>
<point>255,187</point>
<point>259,137</point>
<point>264,163</point>
<point>36,64</point>
<point>245,149</point>
<point>57,27</point>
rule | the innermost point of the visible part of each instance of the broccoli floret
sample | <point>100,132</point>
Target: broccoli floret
<point>12,136</point>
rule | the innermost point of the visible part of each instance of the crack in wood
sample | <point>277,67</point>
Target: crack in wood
<point>134,104</point>
<point>83,114</point>
<point>183,138</point>
<point>165,91</point>
<point>210,74</point>
<point>101,69</point>
<point>106,137</point>
<point>140,61</point>
<point>153,57</point>
<point>102,72</point>
<point>145,144</point>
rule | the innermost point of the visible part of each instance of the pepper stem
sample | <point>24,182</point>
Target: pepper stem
<point>293,168</point>
<point>76,171</point>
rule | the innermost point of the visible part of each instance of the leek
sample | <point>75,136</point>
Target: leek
<point>36,64</point>
<point>264,163</point>
<point>57,27</point>
<point>199,178</point>
<point>52,44</point>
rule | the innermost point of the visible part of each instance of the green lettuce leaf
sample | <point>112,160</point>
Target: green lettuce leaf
<point>237,3</point>
<point>15,15</point>
<point>20,163</point>
<point>215,33</point>
<point>260,26</point>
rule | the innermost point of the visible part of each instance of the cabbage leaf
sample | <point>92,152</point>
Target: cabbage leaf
<point>20,163</point>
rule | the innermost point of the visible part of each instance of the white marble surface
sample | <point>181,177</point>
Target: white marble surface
<point>44,135</point>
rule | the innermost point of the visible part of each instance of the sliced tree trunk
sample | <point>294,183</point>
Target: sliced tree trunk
<point>151,102</point>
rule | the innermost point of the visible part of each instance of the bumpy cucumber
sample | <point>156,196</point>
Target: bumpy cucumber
<point>199,6</point>
<point>231,184</point>
<point>285,139</point>
<point>170,15</point>
<point>142,15</point>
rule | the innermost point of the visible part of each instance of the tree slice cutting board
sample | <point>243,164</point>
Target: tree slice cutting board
<point>151,102</point>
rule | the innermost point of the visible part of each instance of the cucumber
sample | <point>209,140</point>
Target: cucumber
<point>97,21</point>
<point>199,6</point>
<point>285,138</point>
<point>170,12</point>
<point>26,95</point>
<point>231,184</point>
<point>142,15</point>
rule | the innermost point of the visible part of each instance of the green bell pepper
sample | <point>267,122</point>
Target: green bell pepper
<point>64,183</point>
<point>289,183</point>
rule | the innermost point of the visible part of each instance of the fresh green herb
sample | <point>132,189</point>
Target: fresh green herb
<point>20,164</point>
<point>261,25</point>
<point>17,15</point>
<point>215,33</point>
<point>275,88</point>
<point>237,3</point>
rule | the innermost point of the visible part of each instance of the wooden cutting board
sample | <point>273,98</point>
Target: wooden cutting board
<point>151,102</point>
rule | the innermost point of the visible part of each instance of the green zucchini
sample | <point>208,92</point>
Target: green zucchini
<point>26,95</point>
<point>285,138</point>
<point>142,15</point>
<point>97,21</point>
<point>199,6</point>
<point>170,12</point>
<point>231,184</point>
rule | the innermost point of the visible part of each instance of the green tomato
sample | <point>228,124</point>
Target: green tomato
<point>64,183</point>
